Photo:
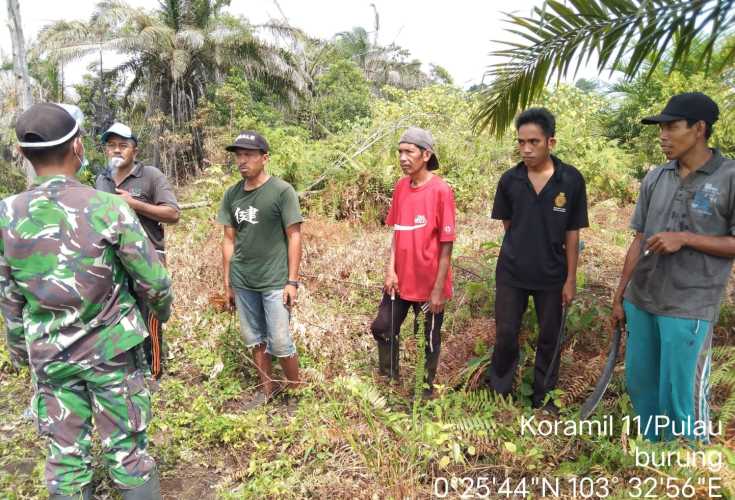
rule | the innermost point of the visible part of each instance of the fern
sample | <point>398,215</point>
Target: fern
<point>727,411</point>
<point>723,376</point>
<point>475,427</point>
<point>724,353</point>
<point>363,392</point>
<point>479,400</point>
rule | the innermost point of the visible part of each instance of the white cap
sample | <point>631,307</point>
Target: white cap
<point>120,129</point>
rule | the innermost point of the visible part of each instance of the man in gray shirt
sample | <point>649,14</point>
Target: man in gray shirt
<point>149,194</point>
<point>675,273</point>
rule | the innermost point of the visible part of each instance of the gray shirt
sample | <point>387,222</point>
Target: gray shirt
<point>147,184</point>
<point>687,283</point>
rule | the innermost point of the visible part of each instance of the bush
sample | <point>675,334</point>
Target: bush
<point>642,98</point>
<point>342,97</point>
<point>350,173</point>
<point>581,141</point>
<point>12,180</point>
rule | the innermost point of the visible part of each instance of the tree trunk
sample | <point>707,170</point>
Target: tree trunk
<point>20,70</point>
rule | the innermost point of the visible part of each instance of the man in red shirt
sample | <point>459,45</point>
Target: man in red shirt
<point>418,271</point>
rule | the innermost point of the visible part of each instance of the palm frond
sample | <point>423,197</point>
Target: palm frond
<point>114,13</point>
<point>628,34</point>
<point>282,29</point>
<point>180,61</point>
<point>190,38</point>
<point>154,39</point>
<point>64,41</point>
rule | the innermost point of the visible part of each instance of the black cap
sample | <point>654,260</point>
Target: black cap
<point>249,139</point>
<point>45,125</point>
<point>688,106</point>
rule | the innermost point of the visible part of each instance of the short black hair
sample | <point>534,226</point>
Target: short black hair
<point>41,157</point>
<point>707,127</point>
<point>539,116</point>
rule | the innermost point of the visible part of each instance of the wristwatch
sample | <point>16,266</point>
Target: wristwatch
<point>293,283</point>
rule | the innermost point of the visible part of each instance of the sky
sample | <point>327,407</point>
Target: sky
<point>457,34</point>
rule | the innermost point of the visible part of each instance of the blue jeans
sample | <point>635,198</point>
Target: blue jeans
<point>264,319</point>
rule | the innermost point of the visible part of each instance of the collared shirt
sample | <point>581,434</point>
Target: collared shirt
<point>687,283</point>
<point>147,184</point>
<point>65,253</point>
<point>533,253</point>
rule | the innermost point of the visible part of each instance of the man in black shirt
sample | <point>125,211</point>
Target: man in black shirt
<point>543,204</point>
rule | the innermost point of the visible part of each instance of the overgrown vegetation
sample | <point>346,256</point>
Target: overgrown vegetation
<point>349,434</point>
<point>333,113</point>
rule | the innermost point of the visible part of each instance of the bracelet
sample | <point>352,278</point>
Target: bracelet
<point>293,283</point>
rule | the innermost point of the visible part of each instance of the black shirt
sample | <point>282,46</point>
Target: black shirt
<point>533,254</point>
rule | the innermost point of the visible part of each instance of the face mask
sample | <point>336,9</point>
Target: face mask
<point>82,160</point>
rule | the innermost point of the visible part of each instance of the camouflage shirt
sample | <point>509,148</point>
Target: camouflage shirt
<point>65,252</point>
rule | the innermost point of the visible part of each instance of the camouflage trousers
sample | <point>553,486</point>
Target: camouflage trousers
<point>114,396</point>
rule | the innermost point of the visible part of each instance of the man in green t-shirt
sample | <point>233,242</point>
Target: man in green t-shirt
<point>261,253</point>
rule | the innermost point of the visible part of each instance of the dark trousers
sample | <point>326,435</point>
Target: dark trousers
<point>510,304</point>
<point>381,331</point>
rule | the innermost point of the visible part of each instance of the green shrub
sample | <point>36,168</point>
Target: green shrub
<point>12,180</point>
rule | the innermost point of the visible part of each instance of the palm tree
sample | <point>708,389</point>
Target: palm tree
<point>172,55</point>
<point>381,64</point>
<point>625,35</point>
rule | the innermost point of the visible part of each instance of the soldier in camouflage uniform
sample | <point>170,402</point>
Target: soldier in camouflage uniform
<point>66,251</point>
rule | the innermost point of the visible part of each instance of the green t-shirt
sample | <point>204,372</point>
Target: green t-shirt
<point>260,218</point>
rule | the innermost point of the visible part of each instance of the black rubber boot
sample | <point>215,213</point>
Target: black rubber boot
<point>384,359</point>
<point>85,494</point>
<point>150,490</point>
<point>432,363</point>
<point>384,362</point>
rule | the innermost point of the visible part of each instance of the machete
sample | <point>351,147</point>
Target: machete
<point>557,348</point>
<point>591,403</point>
<point>588,407</point>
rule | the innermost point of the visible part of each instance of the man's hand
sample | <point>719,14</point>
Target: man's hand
<point>391,282</point>
<point>666,242</point>
<point>437,301</point>
<point>125,195</point>
<point>568,292</point>
<point>290,294</point>
<point>618,313</point>
<point>230,297</point>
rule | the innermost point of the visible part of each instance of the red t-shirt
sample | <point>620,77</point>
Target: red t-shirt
<point>422,218</point>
